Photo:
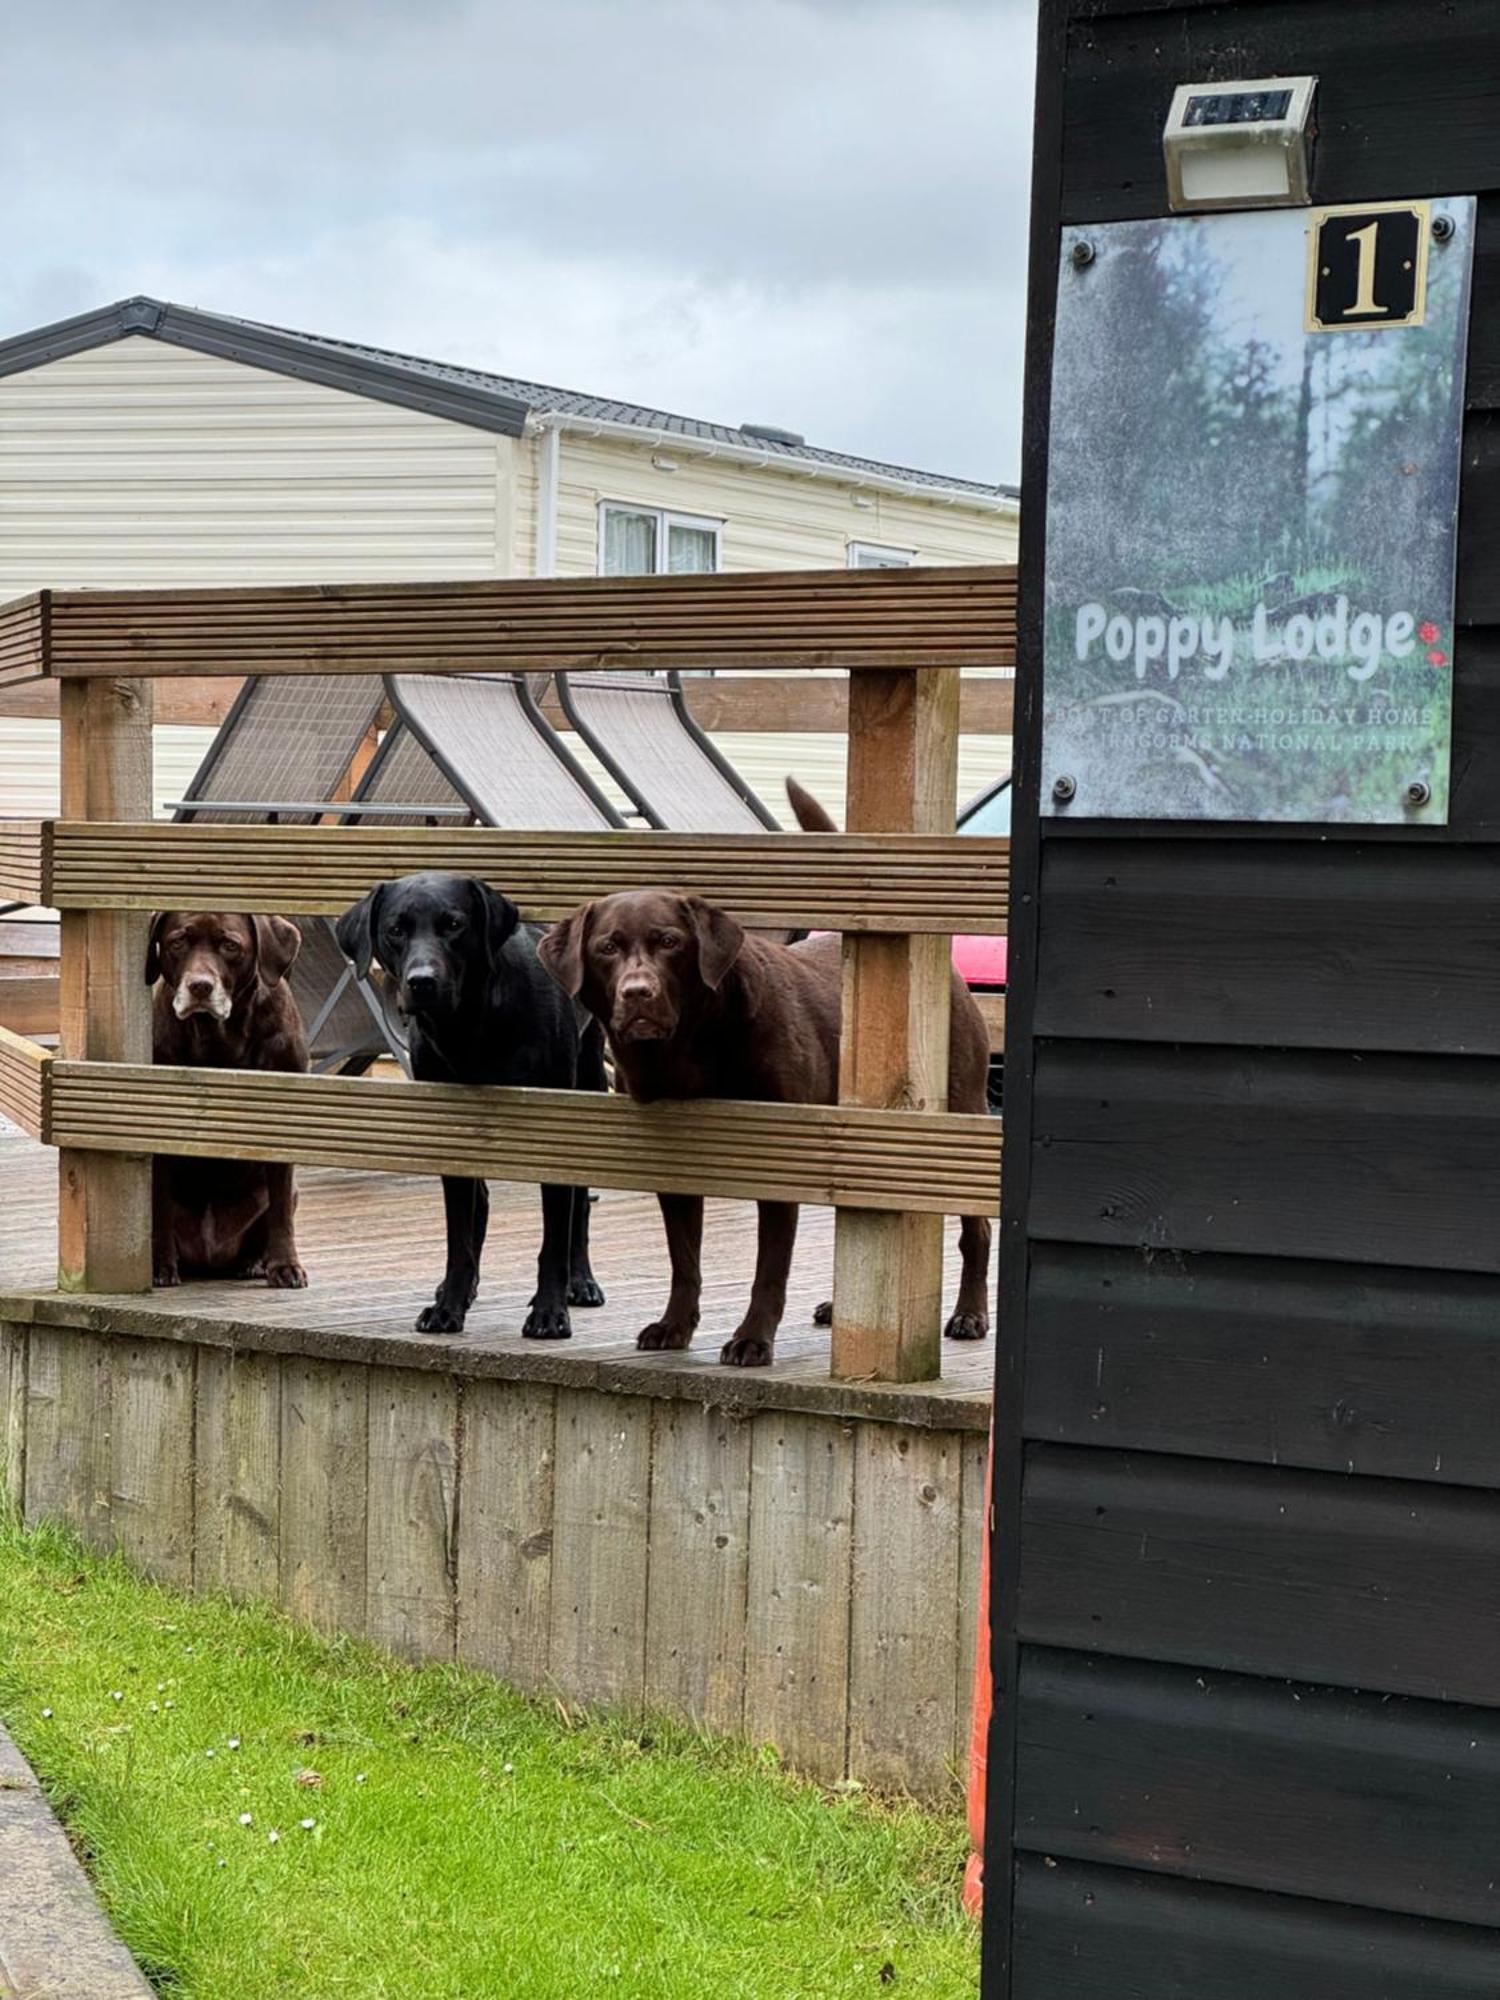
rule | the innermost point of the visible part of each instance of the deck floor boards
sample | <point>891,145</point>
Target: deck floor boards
<point>373,1247</point>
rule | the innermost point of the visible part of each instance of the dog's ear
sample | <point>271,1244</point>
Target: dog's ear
<point>498,917</point>
<point>277,943</point>
<point>153,946</point>
<point>720,938</point>
<point>358,931</point>
<point>561,950</point>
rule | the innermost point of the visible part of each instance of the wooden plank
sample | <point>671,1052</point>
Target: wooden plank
<point>412,1552</point>
<point>180,704</point>
<point>1377,1159</point>
<point>700,1558</point>
<point>1333,1367</point>
<point>25,1083</point>
<point>780,619</point>
<point>1366,1583</point>
<point>324,1492</point>
<point>104,1202</point>
<point>13,1343</point>
<point>904,1619</point>
<point>151,1457</point>
<point>751,704</point>
<point>973,1526</point>
<point>797,1627</point>
<point>823,881</point>
<point>23,638</point>
<point>992,1010</point>
<point>599,1548</point>
<point>505,1530</point>
<point>938,1163</point>
<point>888,1270</point>
<point>29,1004</point>
<point>1120,74</point>
<point>1164,941</point>
<point>23,861</point>
<point>745,704</point>
<point>1476,594</point>
<point>1087,1933</point>
<point>237,1474</point>
<point>68,1396</point>
<point>1318,1792</point>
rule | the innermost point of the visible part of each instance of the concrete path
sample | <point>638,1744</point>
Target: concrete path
<point>55,1943</point>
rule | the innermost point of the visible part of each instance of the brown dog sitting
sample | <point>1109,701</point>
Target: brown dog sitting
<point>695,1007</point>
<point>222,1001</point>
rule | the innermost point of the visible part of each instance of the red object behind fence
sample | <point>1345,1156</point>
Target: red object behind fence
<point>979,1728</point>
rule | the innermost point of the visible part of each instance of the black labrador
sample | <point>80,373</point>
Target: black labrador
<point>479,1008</point>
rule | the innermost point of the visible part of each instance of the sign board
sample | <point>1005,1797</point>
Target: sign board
<point>1252,513</point>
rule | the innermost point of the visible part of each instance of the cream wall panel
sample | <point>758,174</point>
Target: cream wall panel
<point>143,463</point>
<point>772,519</point>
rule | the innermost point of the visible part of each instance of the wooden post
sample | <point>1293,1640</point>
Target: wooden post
<point>888,1269</point>
<point>104,1199</point>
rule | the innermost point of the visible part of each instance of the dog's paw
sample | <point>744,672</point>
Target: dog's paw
<point>585,1292</point>
<point>286,1276</point>
<point>661,1335</point>
<point>439,1318</point>
<point>967,1326</point>
<point>164,1276</point>
<point>547,1323</point>
<point>745,1351</point>
<point>823,1314</point>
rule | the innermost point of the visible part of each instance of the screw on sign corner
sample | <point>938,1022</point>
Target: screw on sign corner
<point>1065,790</point>
<point>1417,794</point>
<point>1083,256</point>
<point>1442,229</point>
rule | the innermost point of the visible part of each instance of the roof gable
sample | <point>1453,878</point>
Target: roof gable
<point>471,396</point>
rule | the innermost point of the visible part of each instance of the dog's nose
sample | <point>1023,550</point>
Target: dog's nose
<point>200,986</point>
<point>637,986</point>
<point>421,983</point>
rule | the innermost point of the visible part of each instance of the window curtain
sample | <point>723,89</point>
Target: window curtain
<point>629,543</point>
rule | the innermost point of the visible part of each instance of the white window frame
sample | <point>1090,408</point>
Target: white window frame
<point>665,517</point>
<point>887,558</point>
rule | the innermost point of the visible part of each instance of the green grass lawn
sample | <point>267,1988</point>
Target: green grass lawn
<point>268,1813</point>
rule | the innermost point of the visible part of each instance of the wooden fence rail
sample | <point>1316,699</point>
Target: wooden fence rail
<point>882,1160</point>
<point>849,882</point>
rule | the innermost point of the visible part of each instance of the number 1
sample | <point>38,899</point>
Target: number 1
<point>1364,290</point>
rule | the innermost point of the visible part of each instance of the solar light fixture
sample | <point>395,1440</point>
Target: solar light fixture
<point>1240,145</point>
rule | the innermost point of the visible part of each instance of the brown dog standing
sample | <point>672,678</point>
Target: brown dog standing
<point>695,1007</point>
<point>222,1001</point>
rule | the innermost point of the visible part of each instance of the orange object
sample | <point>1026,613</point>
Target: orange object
<point>979,1727</point>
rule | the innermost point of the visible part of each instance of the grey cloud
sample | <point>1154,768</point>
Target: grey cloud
<point>706,189</point>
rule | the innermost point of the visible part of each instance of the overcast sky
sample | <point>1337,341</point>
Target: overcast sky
<point>801,212</point>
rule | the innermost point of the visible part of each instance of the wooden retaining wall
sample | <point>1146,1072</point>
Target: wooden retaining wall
<point>799,1576</point>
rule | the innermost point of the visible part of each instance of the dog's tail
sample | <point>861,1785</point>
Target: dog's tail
<point>811,817</point>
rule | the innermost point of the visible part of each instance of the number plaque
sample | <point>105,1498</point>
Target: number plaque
<point>1368,266</point>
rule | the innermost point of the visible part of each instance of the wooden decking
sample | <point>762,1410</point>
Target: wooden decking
<point>373,1245</point>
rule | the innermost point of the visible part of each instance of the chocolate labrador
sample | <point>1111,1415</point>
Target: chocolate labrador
<point>693,1006</point>
<point>222,1002</point>
<point>479,1009</point>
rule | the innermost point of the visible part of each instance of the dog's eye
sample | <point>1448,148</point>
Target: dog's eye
<point>606,947</point>
<point>666,941</point>
<point>231,947</point>
<point>449,925</point>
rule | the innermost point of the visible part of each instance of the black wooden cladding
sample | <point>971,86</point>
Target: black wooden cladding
<point>1292,944</point>
<point>1368,1583</point>
<point>1247,1476</point>
<point>1404,104</point>
<point>1262,1361</point>
<point>1376,1800</point>
<point>1376,1159</point>
<point>1119,1934</point>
